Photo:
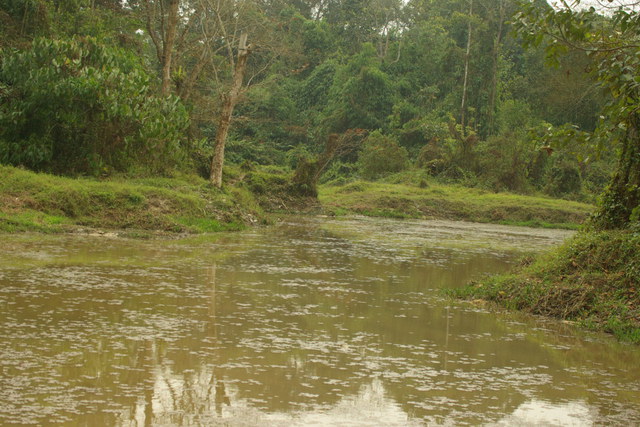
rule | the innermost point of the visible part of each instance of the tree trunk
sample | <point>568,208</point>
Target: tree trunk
<point>165,40</point>
<point>465,83</point>
<point>168,43</point>
<point>307,173</point>
<point>621,202</point>
<point>228,105</point>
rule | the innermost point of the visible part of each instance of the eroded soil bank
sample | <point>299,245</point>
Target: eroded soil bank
<point>592,279</point>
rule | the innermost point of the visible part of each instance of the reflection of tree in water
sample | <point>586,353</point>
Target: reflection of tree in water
<point>183,399</point>
<point>221,397</point>
<point>196,393</point>
<point>309,334</point>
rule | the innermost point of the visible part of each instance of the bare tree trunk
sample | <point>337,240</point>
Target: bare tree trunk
<point>307,173</point>
<point>227,111</point>
<point>465,84</point>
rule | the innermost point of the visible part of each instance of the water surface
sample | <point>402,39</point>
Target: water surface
<point>313,321</point>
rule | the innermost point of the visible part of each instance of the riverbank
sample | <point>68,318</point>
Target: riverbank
<point>189,204</point>
<point>453,202</point>
<point>591,280</point>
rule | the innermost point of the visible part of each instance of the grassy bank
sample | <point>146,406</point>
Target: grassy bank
<point>592,279</point>
<point>401,200</point>
<point>46,203</point>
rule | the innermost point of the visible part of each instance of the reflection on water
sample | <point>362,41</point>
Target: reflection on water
<point>311,322</point>
<point>536,412</point>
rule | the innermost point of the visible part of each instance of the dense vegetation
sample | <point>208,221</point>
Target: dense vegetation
<point>592,280</point>
<point>103,87</point>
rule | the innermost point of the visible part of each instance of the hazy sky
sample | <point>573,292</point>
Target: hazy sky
<point>603,5</point>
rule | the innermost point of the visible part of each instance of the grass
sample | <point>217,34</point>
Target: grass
<point>542,224</point>
<point>47,203</point>
<point>187,203</point>
<point>31,221</point>
<point>207,225</point>
<point>592,280</point>
<point>402,200</point>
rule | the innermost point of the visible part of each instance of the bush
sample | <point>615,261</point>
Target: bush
<point>432,158</point>
<point>415,133</point>
<point>564,179</point>
<point>256,151</point>
<point>80,107</point>
<point>504,162</point>
<point>380,156</point>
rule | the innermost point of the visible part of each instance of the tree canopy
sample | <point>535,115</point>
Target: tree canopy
<point>612,45</point>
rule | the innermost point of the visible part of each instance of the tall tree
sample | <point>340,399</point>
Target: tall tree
<point>613,44</point>
<point>465,81</point>
<point>500,17</point>
<point>229,104</point>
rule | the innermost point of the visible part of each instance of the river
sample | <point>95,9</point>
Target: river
<point>310,322</point>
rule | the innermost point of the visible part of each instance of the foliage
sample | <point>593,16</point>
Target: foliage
<point>314,92</point>
<point>418,132</point>
<point>380,156</point>
<point>339,173</point>
<point>315,69</point>
<point>361,96</point>
<point>80,107</point>
<point>611,45</point>
<point>504,163</point>
<point>564,178</point>
<point>273,127</point>
<point>27,16</point>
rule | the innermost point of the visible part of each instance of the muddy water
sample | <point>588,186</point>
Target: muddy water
<point>310,322</point>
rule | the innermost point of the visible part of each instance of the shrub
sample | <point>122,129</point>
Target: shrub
<point>564,178</point>
<point>504,162</point>
<point>432,158</point>
<point>338,170</point>
<point>80,107</point>
<point>380,156</point>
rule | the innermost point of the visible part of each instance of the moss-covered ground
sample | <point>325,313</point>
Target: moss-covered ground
<point>593,280</point>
